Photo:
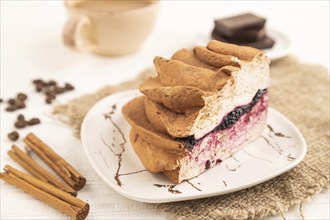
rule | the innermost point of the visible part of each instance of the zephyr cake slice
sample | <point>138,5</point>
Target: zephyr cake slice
<point>204,105</point>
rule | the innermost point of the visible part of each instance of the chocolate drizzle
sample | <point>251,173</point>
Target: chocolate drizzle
<point>233,169</point>
<point>259,158</point>
<point>271,134</point>
<point>130,173</point>
<point>193,185</point>
<point>101,155</point>
<point>276,133</point>
<point>170,188</point>
<point>290,158</point>
<point>228,121</point>
<point>121,145</point>
<point>273,145</point>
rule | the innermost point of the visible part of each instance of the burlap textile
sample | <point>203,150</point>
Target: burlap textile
<point>301,92</point>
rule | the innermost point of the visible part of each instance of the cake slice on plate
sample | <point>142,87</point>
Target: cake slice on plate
<point>204,105</point>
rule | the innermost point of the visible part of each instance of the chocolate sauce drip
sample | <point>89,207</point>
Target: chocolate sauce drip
<point>290,158</point>
<point>122,145</point>
<point>169,189</point>
<point>233,169</point>
<point>130,173</point>
<point>192,185</point>
<point>228,121</point>
<point>276,133</point>
<point>271,135</point>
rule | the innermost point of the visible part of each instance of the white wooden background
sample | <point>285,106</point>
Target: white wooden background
<point>31,47</point>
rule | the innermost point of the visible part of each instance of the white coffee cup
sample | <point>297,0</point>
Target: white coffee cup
<point>109,27</point>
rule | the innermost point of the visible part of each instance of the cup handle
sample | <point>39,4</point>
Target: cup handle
<point>76,34</point>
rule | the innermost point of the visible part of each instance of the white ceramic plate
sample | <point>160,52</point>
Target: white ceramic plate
<point>104,135</point>
<point>280,49</point>
<point>282,45</point>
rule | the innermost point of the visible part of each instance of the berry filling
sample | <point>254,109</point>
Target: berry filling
<point>223,142</point>
<point>228,121</point>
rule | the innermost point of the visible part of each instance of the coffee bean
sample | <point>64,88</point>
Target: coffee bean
<point>20,124</point>
<point>59,90</point>
<point>51,83</point>
<point>13,135</point>
<point>33,121</point>
<point>37,81</point>
<point>49,91</point>
<point>1,100</point>
<point>12,101</point>
<point>68,87</point>
<point>11,108</point>
<point>49,100</point>
<point>52,96</point>
<point>21,96</point>
<point>39,87</point>
<point>20,117</point>
<point>20,105</point>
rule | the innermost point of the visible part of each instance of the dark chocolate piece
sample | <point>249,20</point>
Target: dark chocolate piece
<point>233,25</point>
<point>245,35</point>
<point>263,43</point>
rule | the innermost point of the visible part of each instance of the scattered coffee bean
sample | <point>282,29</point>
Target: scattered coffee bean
<point>51,96</point>
<point>20,105</point>
<point>68,87</point>
<point>51,83</point>
<point>51,89</point>
<point>39,87</point>
<point>20,124</point>
<point>59,90</point>
<point>11,108</point>
<point>21,96</point>
<point>49,100</point>
<point>37,81</point>
<point>1,100</point>
<point>13,135</point>
<point>12,101</point>
<point>20,117</point>
<point>48,91</point>
<point>33,121</point>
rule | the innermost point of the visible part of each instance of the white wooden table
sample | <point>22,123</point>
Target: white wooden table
<point>31,48</point>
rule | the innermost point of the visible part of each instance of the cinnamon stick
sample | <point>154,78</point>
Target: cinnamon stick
<point>72,206</point>
<point>71,176</point>
<point>37,171</point>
